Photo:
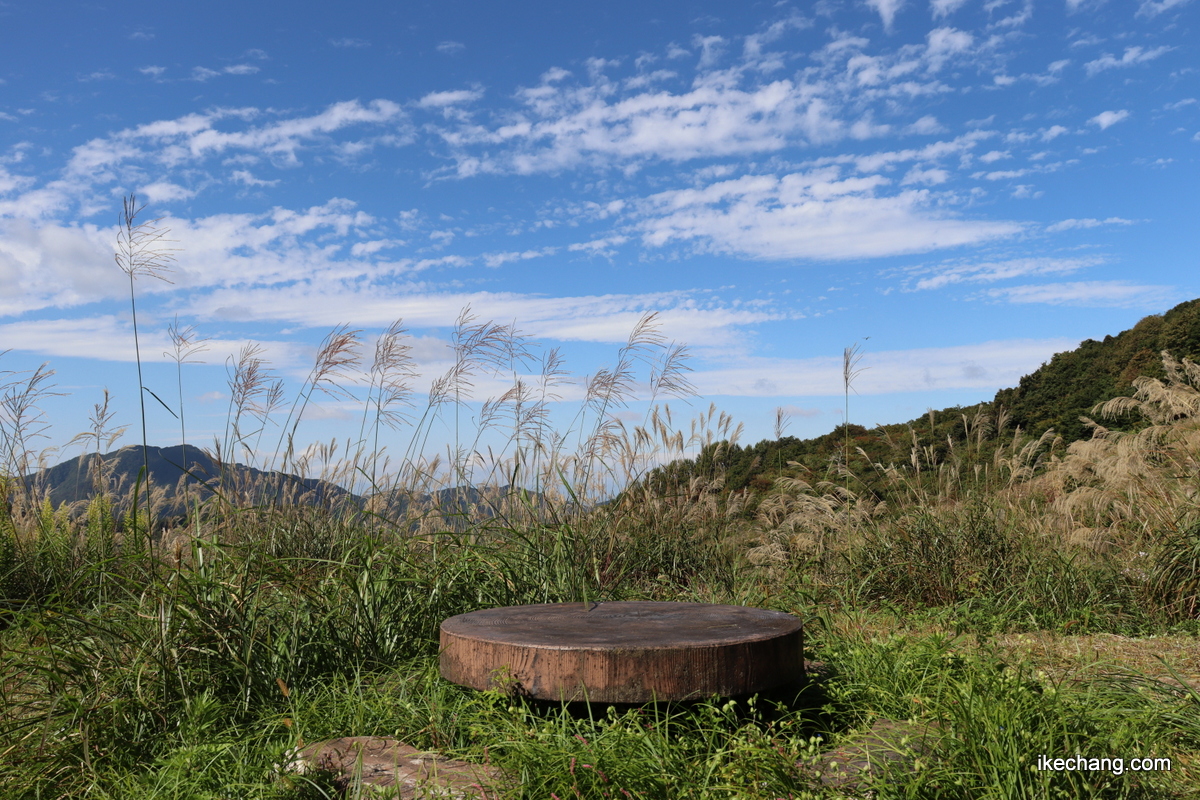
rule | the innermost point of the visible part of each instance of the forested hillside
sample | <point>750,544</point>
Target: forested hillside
<point>1053,397</point>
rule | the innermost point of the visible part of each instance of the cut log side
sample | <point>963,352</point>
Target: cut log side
<point>627,652</point>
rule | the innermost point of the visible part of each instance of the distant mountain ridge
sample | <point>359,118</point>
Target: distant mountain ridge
<point>74,483</point>
<point>75,480</point>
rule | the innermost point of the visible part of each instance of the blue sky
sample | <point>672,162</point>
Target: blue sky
<point>963,188</point>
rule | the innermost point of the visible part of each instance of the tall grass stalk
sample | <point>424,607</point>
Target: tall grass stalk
<point>141,251</point>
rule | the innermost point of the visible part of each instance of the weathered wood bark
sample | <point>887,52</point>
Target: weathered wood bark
<point>632,652</point>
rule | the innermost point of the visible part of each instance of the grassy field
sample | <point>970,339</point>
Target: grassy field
<point>1041,602</point>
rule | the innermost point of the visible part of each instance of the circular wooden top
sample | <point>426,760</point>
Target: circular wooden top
<point>623,651</point>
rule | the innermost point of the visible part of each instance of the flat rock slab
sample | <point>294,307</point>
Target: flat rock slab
<point>624,652</point>
<point>389,768</point>
<point>865,756</point>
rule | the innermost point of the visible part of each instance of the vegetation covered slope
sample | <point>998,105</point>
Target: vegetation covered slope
<point>1052,398</point>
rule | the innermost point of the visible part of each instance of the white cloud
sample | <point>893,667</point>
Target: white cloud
<point>450,98</point>
<point>1104,294</point>
<point>887,10</point>
<point>597,318</point>
<point>347,41</point>
<point>1107,119</point>
<point>153,71</point>
<point>203,73</point>
<point>944,8</point>
<point>602,246</point>
<point>164,192</point>
<point>360,249</point>
<point>817,215</point>
<point>194,137</point>
<point>497,259</point>
<point>562,123</point>
<point>108,338</point>
<point>930,177</point>
<point>994,155</point>
<point>246,178</point>
<point>98,75</point>
<point>450,47</point>
<point>925,126</point>
<point>1072,224</point>
<point>1053,132</point>
<point>240,69</point>
<point>988,365</point>
<point>1149,8</point>
<point>955,272</point>
<point>943,43</point>
<point>48,265</point>
<point>12,183</point>
<point>1133,55</point>
<point>711,49</point>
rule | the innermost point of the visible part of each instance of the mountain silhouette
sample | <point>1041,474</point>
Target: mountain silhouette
<point>184,478</point>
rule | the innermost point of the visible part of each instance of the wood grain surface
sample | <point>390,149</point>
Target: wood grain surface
<point>625,652</point>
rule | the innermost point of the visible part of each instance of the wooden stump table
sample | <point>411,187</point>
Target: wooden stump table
<point>628,652</point>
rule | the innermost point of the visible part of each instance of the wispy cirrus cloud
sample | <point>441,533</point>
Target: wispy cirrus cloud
<point>816,215</point>
<point>1150,8</point>
<point>1111,294</point>
<point>1074,224</point>
<point>947,274</point>
<point>987,364</point>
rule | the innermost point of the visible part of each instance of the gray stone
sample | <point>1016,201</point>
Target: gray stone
<point>379,767</point>
<point>862,757</point>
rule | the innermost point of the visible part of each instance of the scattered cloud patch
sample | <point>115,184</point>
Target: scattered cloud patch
<point>494,260</point>
<point>887,10</point>
<point>450,48</point>
<point>165,192</point>
<point>1132,56</point>
<point>1149,8</point>
<point>940,9</point>
<point>1074,224</point>
<point>1106,119</point>
<point>153,71</point>
<point>450,98</point>
<point>246,178</point>
<point>347,41</point>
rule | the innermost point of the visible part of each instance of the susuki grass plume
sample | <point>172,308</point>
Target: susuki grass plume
<point>185,345</point>
<point>141,251</point>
